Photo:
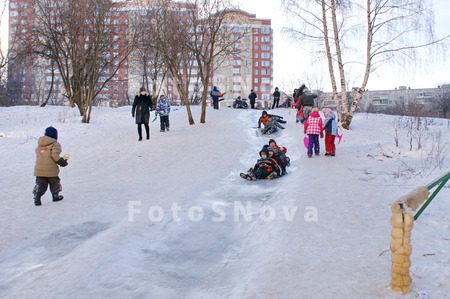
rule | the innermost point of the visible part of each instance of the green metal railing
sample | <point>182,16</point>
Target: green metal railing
<point>441,182</point>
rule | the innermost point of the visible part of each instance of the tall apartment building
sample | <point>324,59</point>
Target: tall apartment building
<point>252,68</point>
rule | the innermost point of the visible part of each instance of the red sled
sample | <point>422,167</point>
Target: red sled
<point>306,141</point>
<point>299,115</point>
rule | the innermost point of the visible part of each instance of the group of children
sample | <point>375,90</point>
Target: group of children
<point>271,164</point>
<point>271,123</point>
<point>314,127</point>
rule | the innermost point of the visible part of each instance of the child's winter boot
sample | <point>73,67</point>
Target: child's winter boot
<point>37,200</point>
<point>57,197</point>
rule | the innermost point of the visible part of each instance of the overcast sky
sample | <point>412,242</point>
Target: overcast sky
<point>289,65</point>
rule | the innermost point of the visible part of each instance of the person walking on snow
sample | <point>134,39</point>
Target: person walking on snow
<point>142,106</point>
<point>163,109</point>
<point>313,128</point>
<point>46,168</point>
<point>330,128</point>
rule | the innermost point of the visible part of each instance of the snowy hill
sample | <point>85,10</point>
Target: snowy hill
<point>171,218</point>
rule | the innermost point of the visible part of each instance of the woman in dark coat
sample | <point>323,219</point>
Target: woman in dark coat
<point>142,106</point>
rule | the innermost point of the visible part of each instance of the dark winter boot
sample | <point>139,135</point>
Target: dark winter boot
<point>37,200</point>
<point>57,197</point>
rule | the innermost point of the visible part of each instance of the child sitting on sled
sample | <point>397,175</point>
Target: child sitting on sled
<point>280,156</point>
<point>265,168</point>
<point>272,125</point>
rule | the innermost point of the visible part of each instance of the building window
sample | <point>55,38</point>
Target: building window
<point>255,39</point>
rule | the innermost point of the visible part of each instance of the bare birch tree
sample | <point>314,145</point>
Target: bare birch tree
<point>390,31</point>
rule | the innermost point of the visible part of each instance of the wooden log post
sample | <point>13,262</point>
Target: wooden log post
<point>402,222</point>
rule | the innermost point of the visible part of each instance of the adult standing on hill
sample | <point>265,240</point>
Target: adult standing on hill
<point>252,97</point>
<point>142,106</point>
<point>215,95</point>
<point>276,98</point>
<point>307,102</point>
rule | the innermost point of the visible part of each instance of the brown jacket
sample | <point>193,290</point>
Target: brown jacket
<point>47,154</point>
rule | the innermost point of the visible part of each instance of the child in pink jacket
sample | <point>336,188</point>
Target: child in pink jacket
<point>313,128</point>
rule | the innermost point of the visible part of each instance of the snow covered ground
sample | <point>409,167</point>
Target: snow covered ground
<point>171,218</point>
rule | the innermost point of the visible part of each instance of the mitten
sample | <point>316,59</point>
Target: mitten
<point>61,162</point>
<point>321,135</point>
<point>132,115</point>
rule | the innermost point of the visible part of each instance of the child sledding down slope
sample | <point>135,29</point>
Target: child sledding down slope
<point>279,154</point>
<point>265,168</point>
<point>271,126</point>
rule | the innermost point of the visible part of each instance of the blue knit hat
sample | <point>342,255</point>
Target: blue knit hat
<point>51,132</point>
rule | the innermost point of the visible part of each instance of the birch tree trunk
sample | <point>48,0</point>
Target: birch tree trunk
<point>330,58</point>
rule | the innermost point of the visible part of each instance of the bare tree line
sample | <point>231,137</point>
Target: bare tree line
<point>155,43</point>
